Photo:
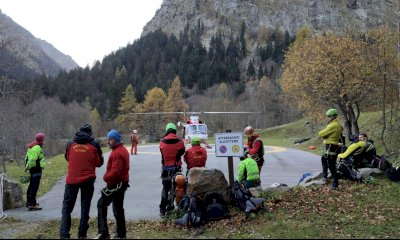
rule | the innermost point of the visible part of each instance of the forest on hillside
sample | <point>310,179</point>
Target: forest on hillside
<point>290,78</point>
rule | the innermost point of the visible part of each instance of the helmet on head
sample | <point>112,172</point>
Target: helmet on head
<point>248,131</point>
<point>331,112</point>
<point>170,126</point>
<point>135,131</point>
<point>40,137</point>
<point>195,141</point>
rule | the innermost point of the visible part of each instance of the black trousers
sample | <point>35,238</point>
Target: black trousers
<point>33,188</point>
<point>329,161</point>
<point>70,195</point>
<point>117,199</point>
<point>168,193</point>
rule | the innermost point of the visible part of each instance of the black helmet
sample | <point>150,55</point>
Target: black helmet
<point>87,128</point>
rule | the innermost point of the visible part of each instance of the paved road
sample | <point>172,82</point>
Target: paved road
<point>282,165</point>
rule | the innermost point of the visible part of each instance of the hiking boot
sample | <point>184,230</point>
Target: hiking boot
<point>325,180</point>
<point>162,212</point>
<point>34,207</point>
<point>102,236</point>
<point>115,236</point>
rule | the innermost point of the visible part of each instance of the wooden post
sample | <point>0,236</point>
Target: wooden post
<point>230,168</point>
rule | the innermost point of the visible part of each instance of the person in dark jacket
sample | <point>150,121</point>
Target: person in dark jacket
<point>117,180</point>
<point>172,148</point>
<point>83,154</point>
<point>34,163</point>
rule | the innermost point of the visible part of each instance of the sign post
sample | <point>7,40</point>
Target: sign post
<point>229,145</point>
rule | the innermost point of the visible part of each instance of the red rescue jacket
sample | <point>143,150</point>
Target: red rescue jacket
<point>83,155</point>
<point>195,156</point>
<point>172,149</point>
<point>117,166</point>
<point>256,146</point>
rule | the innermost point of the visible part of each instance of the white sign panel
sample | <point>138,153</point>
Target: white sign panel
<point>228,144</point>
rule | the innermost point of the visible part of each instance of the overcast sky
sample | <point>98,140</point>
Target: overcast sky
<point>87,30</point>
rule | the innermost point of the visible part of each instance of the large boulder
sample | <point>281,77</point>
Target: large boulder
<point>203,180</point>
<point>12,194</point>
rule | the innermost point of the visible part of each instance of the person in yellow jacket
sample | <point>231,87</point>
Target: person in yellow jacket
<point>359,150</point>
<point>331,135</point>
<point>34,163</point>
<point>248,173</point>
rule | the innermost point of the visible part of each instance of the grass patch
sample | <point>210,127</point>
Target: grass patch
<point>354,211</point>
<point>56,167</point>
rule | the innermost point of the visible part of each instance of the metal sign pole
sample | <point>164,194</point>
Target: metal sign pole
<point>230,167</point>
<point>1,196</point>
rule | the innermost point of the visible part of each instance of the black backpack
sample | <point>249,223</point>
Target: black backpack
<point>393,174</point>
<point>381,163</point>
<point>215,207</point>
<point>244,200</point>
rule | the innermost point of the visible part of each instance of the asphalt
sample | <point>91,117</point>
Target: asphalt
<point>282,165</point>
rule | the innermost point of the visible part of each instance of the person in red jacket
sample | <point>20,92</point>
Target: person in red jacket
<point>255,146</point>
<point>83,154</point>
<point>196,156</point>
<point>135,141</point>
<point>172,148</point>
<point>117,180</point>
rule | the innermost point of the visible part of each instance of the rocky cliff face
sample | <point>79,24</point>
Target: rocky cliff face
<point>225,16</point>
<point>22,54</point>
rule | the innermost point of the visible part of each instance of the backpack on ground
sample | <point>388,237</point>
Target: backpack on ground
<point>346,170</point>
<point>244,200</point>
<point>192,206</point>
<point>215,207</point>
<point>393,174</point>
<point>380,162</point>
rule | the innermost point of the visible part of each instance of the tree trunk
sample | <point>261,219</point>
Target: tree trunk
<point>382,136</point>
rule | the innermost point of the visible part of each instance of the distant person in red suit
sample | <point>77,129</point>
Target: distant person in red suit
<point>134,141</point>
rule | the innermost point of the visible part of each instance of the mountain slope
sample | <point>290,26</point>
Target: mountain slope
<point>25,56</point>
<point>260,16</point>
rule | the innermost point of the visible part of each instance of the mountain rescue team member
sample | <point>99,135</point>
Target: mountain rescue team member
<point>361,150</point>
<point>255,146</point>
<point>196,156</point>
<point>135,141</point>
<point>34,162</point>
<point>172,148</point>
<point>248,172</point>
<point>331,135</point>
<point>117,179</point>
<point>83,154</point>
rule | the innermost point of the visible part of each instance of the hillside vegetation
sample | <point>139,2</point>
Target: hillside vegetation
<point>356,210</point>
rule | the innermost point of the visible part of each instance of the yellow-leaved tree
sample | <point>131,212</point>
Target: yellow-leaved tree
<point>127,105</point>
<point>328,71</point>
<point>175,102</point>
<point>152,124</point>
<point>383,51</point>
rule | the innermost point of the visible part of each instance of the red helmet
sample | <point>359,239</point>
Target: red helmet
<point>40,137</point>
<point>248,131</point>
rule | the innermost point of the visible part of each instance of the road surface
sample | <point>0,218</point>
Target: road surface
<point>282,165</point>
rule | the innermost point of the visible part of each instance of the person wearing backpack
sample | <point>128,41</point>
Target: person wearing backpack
<point>248,173</point>
<point>83,155</point>
<point>255,146</point>
<point>172,148</point>
<point>331,135</point>
<point>134,141</point>
<point>34,163</point>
